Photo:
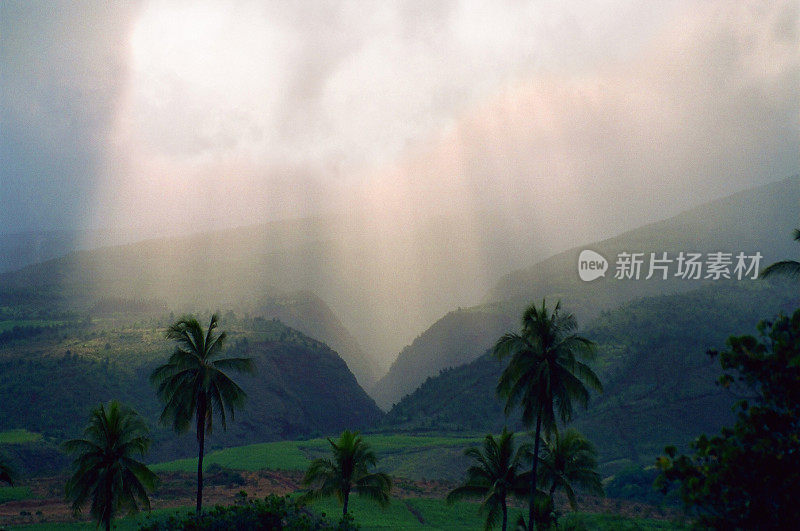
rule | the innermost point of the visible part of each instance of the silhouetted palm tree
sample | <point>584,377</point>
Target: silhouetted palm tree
<point>545,374</point>
<point>347,471</point>
<point>105,473</point>
<point>568,460</point>
<point>789,268</point>
<point>494,477</point>
<point>194,386</point>
<point>7,473</point>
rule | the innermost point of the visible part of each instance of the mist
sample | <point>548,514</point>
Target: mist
<point>430,148</point>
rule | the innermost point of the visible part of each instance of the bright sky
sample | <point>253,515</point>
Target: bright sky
<point>177,113</point>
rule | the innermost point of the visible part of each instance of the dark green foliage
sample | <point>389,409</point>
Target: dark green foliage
<point>194,386</point>
<point>348,470</point>
<point>7,472</point>
<point>270,514</point>
<point>217,474</point>
<point>658,384</point>
<point>569,460</point>
<point>302,388</point>
<point>636,483</point>
<point>52,395</point>
<point>495,475</point>
<point>748,476</point>
<point>545,374</point>
<point>105,473</point>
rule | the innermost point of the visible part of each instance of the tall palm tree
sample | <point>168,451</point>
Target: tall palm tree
<point>7,473</point>
<point>194,386</point>
<point>494,477</point>
<point>347,471</point>
<point>568,460</point>
<point>789,268</point>
<point>545,374</point>
<point>105,473</point>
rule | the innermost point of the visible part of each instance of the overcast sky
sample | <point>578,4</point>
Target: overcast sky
<point>148,115</point>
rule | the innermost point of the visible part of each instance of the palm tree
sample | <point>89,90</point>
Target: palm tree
<point>348,471</point>
<point>789,268</point>
<point>545,374</point>
<point>105,473</point>
<point>193,384</point>
<point>569,460</point>
<point>7,473</point>
<point>494,476</point>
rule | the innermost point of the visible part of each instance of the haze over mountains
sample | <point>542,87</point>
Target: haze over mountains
<point>364,288</point>
<point>756,220</point>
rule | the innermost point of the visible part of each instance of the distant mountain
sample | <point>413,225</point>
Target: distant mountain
<point>757,220</point>
<point>309,314</point>
<point>450,342</point>
<point>386,275</point>
<point>659,383</point>
<point>301,387</point>
<point>24,248</point>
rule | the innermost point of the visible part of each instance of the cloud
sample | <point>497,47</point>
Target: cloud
<point>247,111</point>
<point>63,67</point>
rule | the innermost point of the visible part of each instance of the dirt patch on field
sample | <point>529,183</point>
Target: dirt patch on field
<point>177,489</point>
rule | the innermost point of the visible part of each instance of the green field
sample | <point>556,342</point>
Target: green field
<point>410,456</point>
<point>410,513</point>
<point>18,436</point>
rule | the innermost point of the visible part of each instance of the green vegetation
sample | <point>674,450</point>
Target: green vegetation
<point>568,460</point>
<point>493,477</point>
<point>408,456</point>
<point>748,476</point>
<point>14,493</point>
<point>27,323</point>
<point>347,471</point>
<point>7,472</point>
<point>544,375</point>
<point>18,436</point>
<point>193,385</point>
<point>105,474</point>
<point>273,513</point>
<point>658,385</point>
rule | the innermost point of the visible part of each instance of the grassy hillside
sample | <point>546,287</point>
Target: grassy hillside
<point>757,220</point>
<point>659,384</point>
<point>408,456</point>
<point>50,381</point>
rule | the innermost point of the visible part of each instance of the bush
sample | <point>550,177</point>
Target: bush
<point>271,513</point>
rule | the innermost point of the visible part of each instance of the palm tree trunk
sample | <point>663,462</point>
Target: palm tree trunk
<point>346,500</point>
<point>531,525</point>
<point>201,439</point>
<point>505,514</point>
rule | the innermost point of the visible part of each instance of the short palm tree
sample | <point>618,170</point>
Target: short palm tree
<point>347,471</point>
<point>105,473</point>
<point>569,460</point>
<point>545,375</point>
<point>7,473</point>
<point>194,386</point>
<point>790,268</point>
<point>494,476</point>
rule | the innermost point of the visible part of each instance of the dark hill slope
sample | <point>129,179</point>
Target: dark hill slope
<point>659,383</point>
<point>756,220</point>
<point>301,387</point>
<point>309,314</point>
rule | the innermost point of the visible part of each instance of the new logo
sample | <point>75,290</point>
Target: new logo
<point>591,265</point>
